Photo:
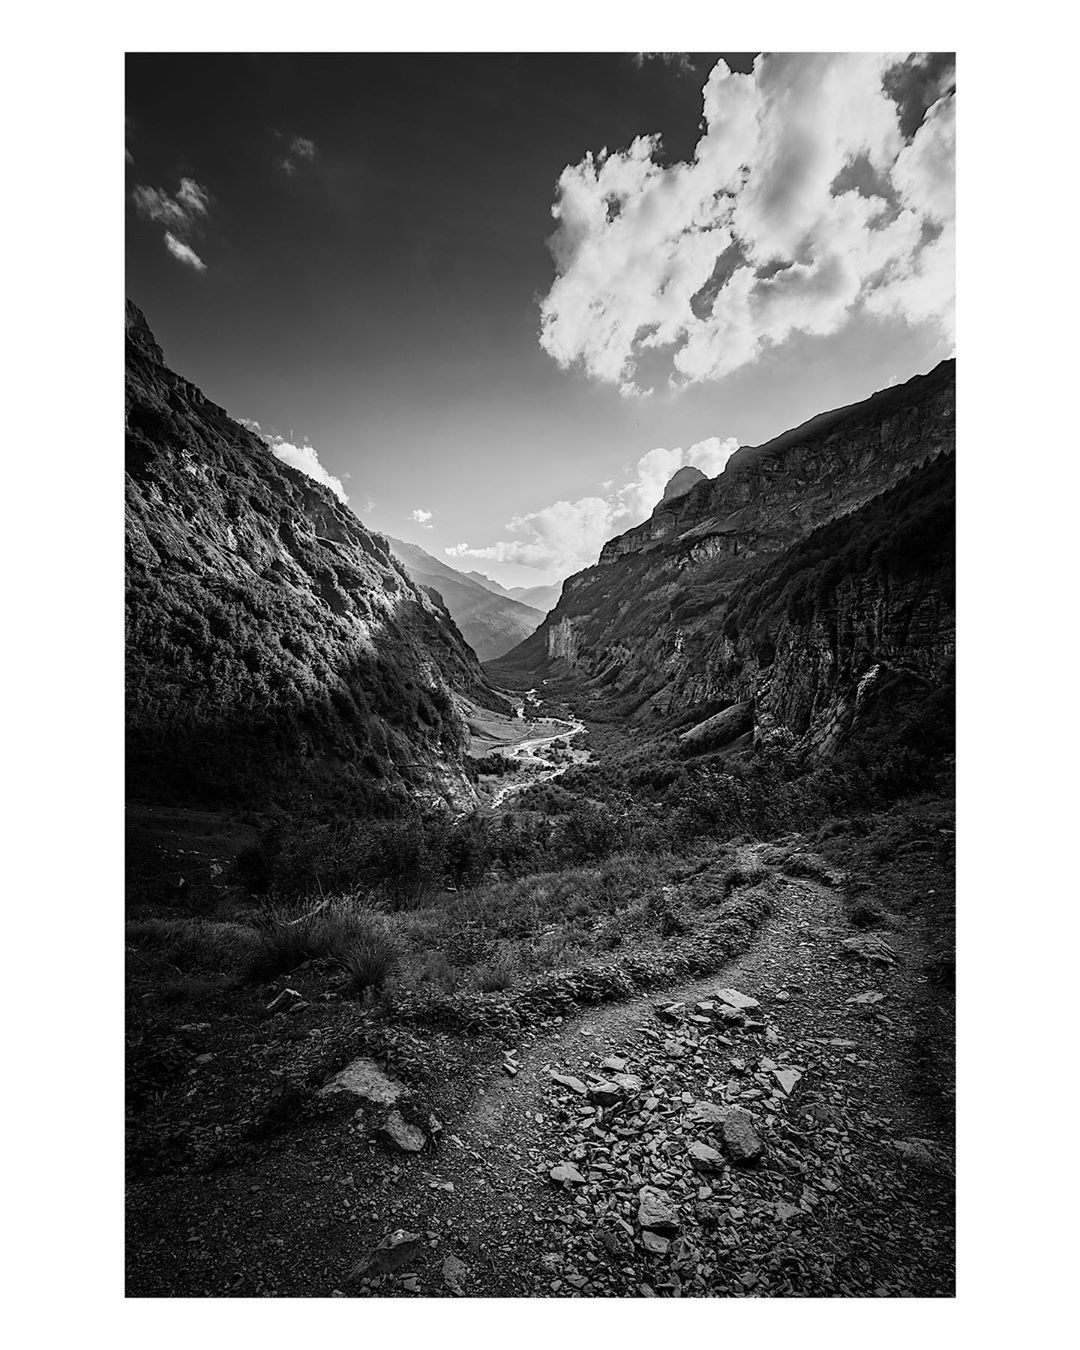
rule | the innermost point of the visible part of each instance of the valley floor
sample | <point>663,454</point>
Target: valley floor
<point>845,1068</point>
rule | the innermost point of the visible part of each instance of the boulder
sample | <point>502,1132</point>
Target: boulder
<point>397,1250</point>
<point>565,1171</point>
<point>606,1093</point>
<point>365,1080</point>
<point>703,1158</point>
<point>396,1130</point>
<point>734,999</point>
<point>656,1211</point>
<point>568,1080</point>
<point>741,1140</point>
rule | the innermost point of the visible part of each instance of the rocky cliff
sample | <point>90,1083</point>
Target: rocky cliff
<point>653,630</point>
<point>275,648</point>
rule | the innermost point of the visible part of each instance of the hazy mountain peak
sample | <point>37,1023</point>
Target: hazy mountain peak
<point>681,481</point>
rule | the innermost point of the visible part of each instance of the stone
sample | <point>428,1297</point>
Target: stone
<point>614,1064</point>
<point>397,1250</point>
<point>656,1211</point>
<point>606,1093</point>
<point>405,1136</point>
<point>787,1079</point>
<point>364,1079</point>
<point>653,1242</point>
<point>565,1171</point>
<point>869,947</point>
<point>703,1158</point>
<point>741,1140</point>
<point>568,1080</point>
<point>866,999</point>
<point>707,1113</point>
<point>734,999</point>
<point>630,1083</point>
<point>455,1273</point>
<point>785,1211</point>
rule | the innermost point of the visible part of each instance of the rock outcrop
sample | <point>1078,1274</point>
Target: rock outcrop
<point>793,583</point>
<point>680,483</point>
<point>275,648</point>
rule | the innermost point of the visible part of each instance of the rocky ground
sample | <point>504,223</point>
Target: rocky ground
<point>771,1130</point>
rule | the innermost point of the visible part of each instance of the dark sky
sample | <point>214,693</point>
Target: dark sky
<point>381,299</point>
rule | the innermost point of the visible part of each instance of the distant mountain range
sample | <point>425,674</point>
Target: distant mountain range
<point>490,619</point>
<point>542,598</point>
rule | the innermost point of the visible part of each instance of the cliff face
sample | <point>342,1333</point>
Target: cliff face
<point>275,648</point>
<point>653,628</point>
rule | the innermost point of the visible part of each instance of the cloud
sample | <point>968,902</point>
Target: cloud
<point>183,214</point>
<point>183,252</point>
<point>300,147</point>
<point>567,536</point>
<point>180,212</point>
<point>421,517</point>
<point>303,457</point>
<point>760,234</point>
<point>680,62</point>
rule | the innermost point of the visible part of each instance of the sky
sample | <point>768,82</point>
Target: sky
<point>495,301</point>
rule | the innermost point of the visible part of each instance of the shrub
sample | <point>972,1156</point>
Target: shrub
<point>344,930</point>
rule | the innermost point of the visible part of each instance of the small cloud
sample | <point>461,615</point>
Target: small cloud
<point>300,147</point>
<point>182,213</point>
<point>680,62</point>
<point>179,212</point>
<point>183,252</point>
<point>303,457</point>
<point>421,517</point>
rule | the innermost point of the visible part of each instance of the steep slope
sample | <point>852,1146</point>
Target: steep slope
<point>275,649</point>
<point>492,623</point>
<point>644,630</point>
<point>542,598</point>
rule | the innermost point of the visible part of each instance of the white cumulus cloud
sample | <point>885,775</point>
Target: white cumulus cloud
<point>303,457</point>
<point>566,536</point>
<point>421,517</point>
<point>757,236</point>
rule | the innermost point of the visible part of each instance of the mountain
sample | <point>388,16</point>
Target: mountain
<point>680,483</point>
<point>275,648</point>
<point>488,583</point>
<point>491,622</point>
<point>789,584</point>
<point>542,598</point>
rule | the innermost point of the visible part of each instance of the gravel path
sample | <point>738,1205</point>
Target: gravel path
<point>852,1193</point>
<point>841,1203</point>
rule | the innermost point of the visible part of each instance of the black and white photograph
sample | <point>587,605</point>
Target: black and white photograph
<point>540,643</point>
<point>541,711</point>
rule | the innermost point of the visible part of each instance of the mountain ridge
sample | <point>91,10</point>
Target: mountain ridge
<point>642,632</point>
<point>275,648</point>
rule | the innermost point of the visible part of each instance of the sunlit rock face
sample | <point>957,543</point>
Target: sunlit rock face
<point>669,622</point>
<point>275,648</point>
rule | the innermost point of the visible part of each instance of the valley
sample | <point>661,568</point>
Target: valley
<point>619,964</point>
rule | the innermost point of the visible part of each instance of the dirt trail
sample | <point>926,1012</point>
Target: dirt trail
<point>852,1195</point>
<point>837,1206</point>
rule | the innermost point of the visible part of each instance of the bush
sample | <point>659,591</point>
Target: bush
<point>343,930</point>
